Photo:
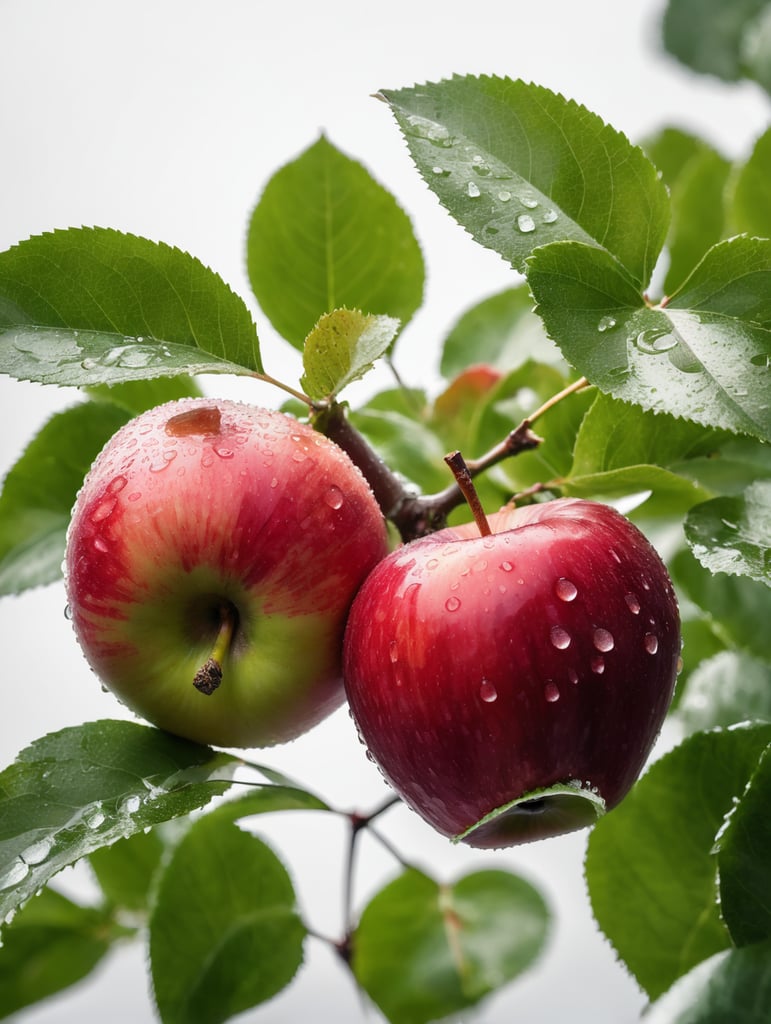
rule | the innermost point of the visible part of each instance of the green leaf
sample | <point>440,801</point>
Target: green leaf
<point>733,535</point>
<point>73,791</point>
<point>744,861</point>
<point>734,986</point>
<point>424,950</point>
<point>501,331</point>
<point>51,944</point>
<point>649,865</point>
<point>707,35</point>
<point>727,688</point>
<point>751,209</point>
<point>756,49</point>
<point>126,869</point>
<point>704,357</point>
<point>326,235</point>
<point>93,306</point>
<point>225,934</point>
<point>39,492</point>
<point>738,608</point>
<point>343,347</point>
<point>671,149</point>
<point>137,396</point>
<point>519,166</point>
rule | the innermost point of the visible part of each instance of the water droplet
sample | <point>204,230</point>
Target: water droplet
<point>393,651</point>
<point>298,456</point>
<point>615,555</point>
<point>130,805</point>
<point>528,201</point>
<point>334,497</point>
<point>274,482</point>
<point>763,360</point>
<point>655,340</point>
<point>38,852</point>
<point>487,691</point>
<point>551,692</point>
<point>506,566</point>
<point>651,643</point>
<point>16,873</point>
<point>504,196</point>
<point>103,510</point>
<point>525,223</point>
<point>473,190</point>
<point>606,324</point>
<point>603,640</point>
<point>94,820</point>
<point>565,590</point>
<point>68,613</point>
<point>573,676</point>
<point>116,484</point>
<point>598,664</point>
<point>89,364</point>
<point>560,638</point>
<point>550,216</point>
<point>632,603</point>
<point>452,604</point>
<point>438,170</point>
<point>164,462</point>
<point>100,545</point>
<point>224,453</point>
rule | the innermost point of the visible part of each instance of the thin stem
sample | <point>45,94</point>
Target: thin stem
<point>209,675</point>
<point>571,389</point>
<point>460,470</point>
<point>287,388</point>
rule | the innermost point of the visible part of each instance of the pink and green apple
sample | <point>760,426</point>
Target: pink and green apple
<point>212,558</point>
<point>511,686</point>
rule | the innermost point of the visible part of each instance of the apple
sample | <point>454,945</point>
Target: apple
<point>212,557</point>
<point>510,686</point>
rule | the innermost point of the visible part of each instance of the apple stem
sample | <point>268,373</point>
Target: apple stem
<point>209,675</point>
<point>460,471</point>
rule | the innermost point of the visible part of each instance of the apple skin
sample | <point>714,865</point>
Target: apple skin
<point>198,505</point>
<point>510,687</point>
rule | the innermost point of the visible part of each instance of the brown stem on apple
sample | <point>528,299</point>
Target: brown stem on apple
<point>460,470</point>
<point>209,675</point>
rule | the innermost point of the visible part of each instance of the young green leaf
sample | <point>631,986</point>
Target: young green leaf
<point>731,987</point>
<point>343,347</point>
<point>751,207</point>
<point>705,356</point>
<point>423,950</point>
<point>39,492</point>
<point>51,944</point>
<point>325,235</point>
<point>95,306</point>
<point>727,688</point>
<point>733,534</point>
<point>708,35</point>
<point>519,166</point>
<point>84,787</point>
<point>744,860</point>
<point>225,933</point>
<point>649,865</point>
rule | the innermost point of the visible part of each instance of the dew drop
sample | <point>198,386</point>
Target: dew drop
<point>89,364</point>
<point>487,691</point>
<point>16,873</point>
<point>606,324</point>
<point>598,664</point>
<point>651,643</point>
<point>603,640</point>
<point>130,805</point>
<point>207,460</point>
<point>550,216</point>
<point>393,651</point>
<point>432,563</point>
<point>68,613</point>
<point>38,852</point>
<point>504,196</point>
<point>298,456</point>
<point>566,590</point>
<point>560,638</point>
<point>274,482</point>
<point>472,190</point>
<point>116,484</point>
<point>573,676</point>
<point>632,603</point>
<point>334,497</point>
<point>551,692</point>
<point>529,202</point>
<point>103,510</point>
<point>525,223</point>
<point>94,820</point>
<point>100,545</point>
<point>615,555</point>
<point>506,566</point>
<point>224,453</point>
<point>452,604</point>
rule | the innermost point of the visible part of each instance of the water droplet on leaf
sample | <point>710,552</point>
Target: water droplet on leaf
<point>525,223</point>
<point>472,190</point>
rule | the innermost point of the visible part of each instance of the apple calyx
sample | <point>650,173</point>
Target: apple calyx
<point>209,675</point>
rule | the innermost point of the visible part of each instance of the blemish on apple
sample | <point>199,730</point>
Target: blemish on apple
<point>203,420</point>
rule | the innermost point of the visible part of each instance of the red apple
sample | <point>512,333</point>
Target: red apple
<point>510,686</point>
<point>212,557</point>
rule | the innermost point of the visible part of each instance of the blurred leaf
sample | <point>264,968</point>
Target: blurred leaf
<point>137,396</point>
<point>707,35</point>
<point>744,860</point>
<point>649,866</point>
<point>343,347</point>
<point>225,934</point>
<point>671,149</point>
<point>700,643</point>
<point>126,869</point>
<point>51,944</point>
<point>324,235</point>
<point>424,950</point>
<point>73,791</point>
<point>756,49</point>
<point>738,607</point>
<point>94,306</point>
<point>732,468</point>
<point>39,492</point>
<point>733,535</point>
<point>733,987</point>
<point>704,357</point>
<point>501,331</point>
<point>727,688</point>
<point>751,210</point>
<point>519,166</point>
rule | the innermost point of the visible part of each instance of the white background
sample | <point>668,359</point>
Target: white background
<point>166,118</point>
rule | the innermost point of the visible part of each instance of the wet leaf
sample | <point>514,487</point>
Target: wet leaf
<point>733,534</point>
<point>343,347</point>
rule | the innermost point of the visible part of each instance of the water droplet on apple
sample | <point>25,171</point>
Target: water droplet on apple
<point>298,456</point>
<point>651,643</point>
<point>274,482</point>
<point>103,510</point>
<point>598,664</point>
<point>207,460</point>
<point>573,676</point>
<point>164,462</point>
<point>432,563</point>
<point>560,638</point>
<point>68,613</point>
<point>135,496</point>
<point>603,640</point>
<point>506,566</point>
<point>393,651</point>
<point>615,555</point>
<point>334,497</point>
<point>116,484</point>
<point>452,604</point>
<point>632,603</point>
<point>566,590</point>
<point>100,545</point>
<point>551,692</point>
<point>224,453</point>
<point>487,691</point>
<point>16,873</point>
